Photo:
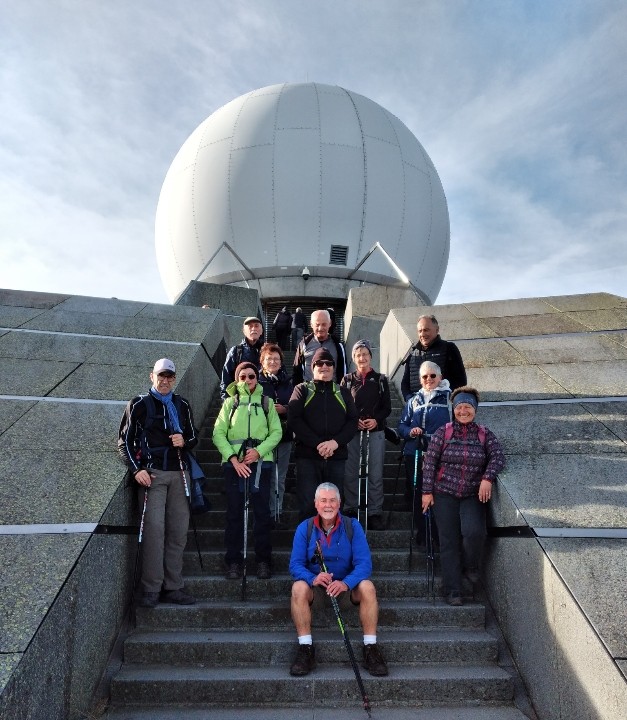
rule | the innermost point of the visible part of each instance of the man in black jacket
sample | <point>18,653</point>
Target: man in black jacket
<point>247,351</point>
<point>319,338</point>
<point>430,346</point>
<point>155,432</point>
<point>324,419</point>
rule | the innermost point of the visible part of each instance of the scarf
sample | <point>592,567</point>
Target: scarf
<point>173,418</point>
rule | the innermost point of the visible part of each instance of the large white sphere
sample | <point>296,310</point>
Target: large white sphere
<point>273,180</point>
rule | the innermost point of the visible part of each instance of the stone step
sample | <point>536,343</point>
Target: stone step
<point>389,586</point>
<point>270,614</point>
<point>213,537</point>
<point>328,685</point>
<point>383,560</point>
<point>221,648</point>
<point>215,519</point>
<point>383,712</point>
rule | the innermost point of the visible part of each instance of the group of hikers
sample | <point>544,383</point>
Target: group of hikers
<point>334,421</point>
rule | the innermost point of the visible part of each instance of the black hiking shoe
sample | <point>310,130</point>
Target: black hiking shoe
<point>263,571</point>
<point>374,662</point>
<point>178,597</point>
<point>233,572</point>
<point>455,599</point>
<point>305,660</point>
<point>149,600</point>
<point>376,523</point>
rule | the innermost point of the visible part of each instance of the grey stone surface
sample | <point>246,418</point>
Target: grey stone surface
<point>548,324</point>
<point>57,426</point>
<point>612,415</point>
<point>515,383</point>
<point>13,317</point>
<point>127,353</point>
<point>567,670</point>
<point>8,664</point>
<point>228,298</point>
<point>31,299</point>
<point>57,487</point>
<point>603,378</point>
<point>48,346</point>
<point>589,301</point>
<point>39,565</point>
<point>615,319</point>
<point>32,377</point>
<point>569,490</point>
<point>570,349</point>
<point>104,382</point>
<point>118,326</point>
<point>104,306</point>
<point>377,300</point>
<point>11,411</point>
<point>57,676</point>
<point>510,308</point>
<point>489,353</point>
<point>552,429</point>
<point>595,570</point>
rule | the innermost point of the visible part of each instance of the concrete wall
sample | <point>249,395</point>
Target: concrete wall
<point>69,366</point>
<point>552,373</point>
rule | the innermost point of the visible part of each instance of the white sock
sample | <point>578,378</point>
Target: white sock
<point>305,640</point>
<point>370,639</point>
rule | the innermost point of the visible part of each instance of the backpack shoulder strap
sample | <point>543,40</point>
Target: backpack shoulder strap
<point>151,412</point>
<point>311,391</point>
<point>348,528</point>
<point>338,395</point>
<point>482,434</point>
<point>448,433</point>
<point>234,406</point>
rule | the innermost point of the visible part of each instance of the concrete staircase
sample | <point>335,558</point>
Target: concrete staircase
<point>224,658</point>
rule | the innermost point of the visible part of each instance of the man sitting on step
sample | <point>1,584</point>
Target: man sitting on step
<point>349,564</point>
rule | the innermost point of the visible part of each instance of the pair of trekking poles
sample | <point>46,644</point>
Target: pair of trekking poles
<point>188,495</point>
<point>364,460</point>
<point>429,547</point>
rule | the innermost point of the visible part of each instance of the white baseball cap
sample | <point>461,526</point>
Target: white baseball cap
<point>164,365</point>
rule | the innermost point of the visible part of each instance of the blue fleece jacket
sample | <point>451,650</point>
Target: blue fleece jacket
<point>348,561</point>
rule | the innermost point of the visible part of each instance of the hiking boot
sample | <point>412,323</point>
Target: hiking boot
<point>263,571</point>
<point>375,522</point>
<point>374,662</point>
<point>178,597</point>
<point>454,598</point>
<point>233,572</point>
<point>305,660</point>
<point>149,600</point>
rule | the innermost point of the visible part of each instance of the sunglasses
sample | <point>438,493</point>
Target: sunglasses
<point>247,376</point>
<point>166,375</point>
<point>432,376</point>
<point>326,363</point>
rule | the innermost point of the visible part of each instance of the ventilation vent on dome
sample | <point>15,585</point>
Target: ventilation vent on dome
<point>339,255</point>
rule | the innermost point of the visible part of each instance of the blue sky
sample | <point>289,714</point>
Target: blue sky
<point>522,106</point>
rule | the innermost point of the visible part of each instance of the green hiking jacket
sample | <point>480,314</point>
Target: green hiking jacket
<point>230,432</point>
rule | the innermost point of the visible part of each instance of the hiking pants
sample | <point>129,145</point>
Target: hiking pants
<point>462,528</point>
<point>165,531</point>
<point>310,472</point>
<point>375,472</point>
<point>259,508</point>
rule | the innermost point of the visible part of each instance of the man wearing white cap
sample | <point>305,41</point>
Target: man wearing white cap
<point>246,351</point>
<point>155,432</point>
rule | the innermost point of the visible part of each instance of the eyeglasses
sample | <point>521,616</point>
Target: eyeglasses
<point>432,376</point>
<point>166,376</point>
<point>247,376</point>
<point>326,363</point>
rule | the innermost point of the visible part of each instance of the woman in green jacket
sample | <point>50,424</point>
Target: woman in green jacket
<point>246,432</point>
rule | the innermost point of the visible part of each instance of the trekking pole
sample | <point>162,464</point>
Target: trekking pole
<point>366,483</point>
<point>319,558</point>
<point>246,504</point>
<point>276,485</point>
<point>137,554</point>
<point>413,506</point>
<point>430,555</point>
<point>361,459</point>
<point>188,495</point>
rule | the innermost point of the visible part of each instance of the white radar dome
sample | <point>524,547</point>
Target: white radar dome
<point>303,189</point>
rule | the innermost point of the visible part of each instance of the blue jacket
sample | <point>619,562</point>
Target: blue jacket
<point>429,415</point>
<point>348,561</point>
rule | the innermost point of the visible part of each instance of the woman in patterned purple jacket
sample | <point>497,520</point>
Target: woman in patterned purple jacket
<point>460,466</point>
